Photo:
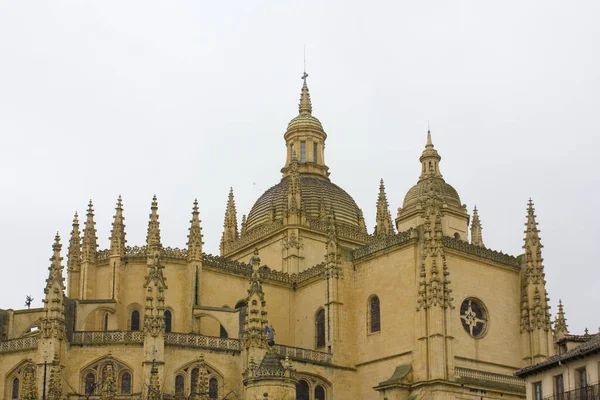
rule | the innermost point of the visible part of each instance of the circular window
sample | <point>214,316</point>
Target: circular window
<point>474,317</point>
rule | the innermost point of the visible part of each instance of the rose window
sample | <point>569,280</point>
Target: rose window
<point>474,318</point>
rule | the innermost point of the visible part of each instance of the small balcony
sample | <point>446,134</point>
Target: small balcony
<point>590,392</point>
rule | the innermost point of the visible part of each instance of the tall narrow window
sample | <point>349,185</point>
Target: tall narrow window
<point>319,393</point>
<point>179,385</point>
<point>315,152</point>
<point>15,389</point>
<point>223,333</point>
<point>320,328</point>
<point>195,373</point>
<point>374,314</point>
<point>302,390</point>
<point>537,391</point>
<point>559,387</point>
<point>213,388</point>
<point>302,152</point>
<point>105,322</point>
<point>90,383</point>
<point>582,383</point>
<point>125,383</point>
<point>168,319</point>
<point>135,320</point>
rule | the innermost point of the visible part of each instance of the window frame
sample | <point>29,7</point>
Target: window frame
<point>558,383</point>
<point>372,318</point>
<point>535,386</point>
<point>121,375</point>
<point>139,318</point>
<point>320,332</point>
<point>168,321</point>
<point>303,151</point>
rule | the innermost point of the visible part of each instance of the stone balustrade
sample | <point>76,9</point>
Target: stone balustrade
<point>201,341</point>
<point>108,337</point>
<point>489,377</point>
<point>25,343</point>
<point>300,354</point>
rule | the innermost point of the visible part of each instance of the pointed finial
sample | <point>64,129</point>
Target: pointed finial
<point>89,243</point>
<point>560,324</point>
<point>117,234</point>
<point>305,106</point>
<point>476,234</point>
<point>195,235</point>
<point>74,256</point>
<point>384,225</point>
<point>153,236</point>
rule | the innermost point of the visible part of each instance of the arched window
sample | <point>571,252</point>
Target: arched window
<point>319,393</point>
<point>302,390</point>
<point>90,383</point>
<point>320,328</point>
<point>168,319</point>
<point>373,314</point>
<point>105,322</point>
<point>135,320</point>
<point>125,383</point>
<point>179,385</point>
<point>15,389</point>
<point>213,388</point>
<point>223,333</point>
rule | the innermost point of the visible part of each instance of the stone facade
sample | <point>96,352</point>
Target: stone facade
<point>303,302</point>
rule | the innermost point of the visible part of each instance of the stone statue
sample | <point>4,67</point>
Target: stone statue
<point>270,335</point>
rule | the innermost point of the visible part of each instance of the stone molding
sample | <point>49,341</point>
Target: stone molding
<point>300,354</point>
<point>489,378</point>
<point>108,337</point>
<point>384,242</point>
<point>482,252</point>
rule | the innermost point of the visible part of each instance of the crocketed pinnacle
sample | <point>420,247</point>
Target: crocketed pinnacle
<point>305,106</point>
<point>117,234</point>
<point>53,318</point>
<point>294,196</point>
<point>430,160</point>
<point>153,236</point>
<point>533,246</point>
<point>476,236</point>
<point>560,324</point>
<point>74,256</point>
<point>256,315</point>
<point>384,225</point>
<point>89,245</point>
<point>195,237</point>
<point>332,254</point>
<point>230,226</point>
<point>200,390</point>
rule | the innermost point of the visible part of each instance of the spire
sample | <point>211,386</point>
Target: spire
<point>153,236</point>
<point>560,324</point>
<point>89,245</point>
<point>305,106</point>
<point>476,237</point>
<point>53,318</point>
<point>74,256</point>
<point>230,226</point>
<point>430,160</point>
<point>384,225</point>
<point>243,226</point>
<point>195,237</point>
<point>117,234</point>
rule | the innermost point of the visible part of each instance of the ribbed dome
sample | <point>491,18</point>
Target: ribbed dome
<point>438,186</point>
<point>305,121</point>
<point>312,190</point>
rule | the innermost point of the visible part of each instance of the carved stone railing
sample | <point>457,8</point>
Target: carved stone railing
<point>478,251</point>
<point>109,337</point>
<point>384,242</point>
<point>219,263</point>
<point>201,341</point>
<point>25,343</point>
<point>312,272</point>
<point>299,354</point>
<point>254,234</point>
<point>342,231</point>
<point>489,378</point>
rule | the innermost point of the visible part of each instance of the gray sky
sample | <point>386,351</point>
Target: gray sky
<point>184,99</point>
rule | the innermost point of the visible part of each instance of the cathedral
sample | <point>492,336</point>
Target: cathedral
<point>303,302</point>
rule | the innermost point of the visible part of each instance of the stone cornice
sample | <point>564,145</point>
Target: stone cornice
<point>384,243</point>
<point>480,252</point>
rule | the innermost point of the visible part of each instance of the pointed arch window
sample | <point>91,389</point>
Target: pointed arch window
<point>135,320</point>
<point>374,315</point>
<point>15,389</point>
<point>320,328</point>
<point>90,383</point>
<point>213,388</point>
<point>319,393</point>
<point>302,390</point>
<point>125,383</point>
<point>105,327</point>
<point>194,381</point>
<point>179,385</point>
<point>168,320</point>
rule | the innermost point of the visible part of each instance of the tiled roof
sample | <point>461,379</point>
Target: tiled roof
<point>592,345</point>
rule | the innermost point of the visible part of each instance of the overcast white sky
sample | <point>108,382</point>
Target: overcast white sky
<point>184,99</point>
